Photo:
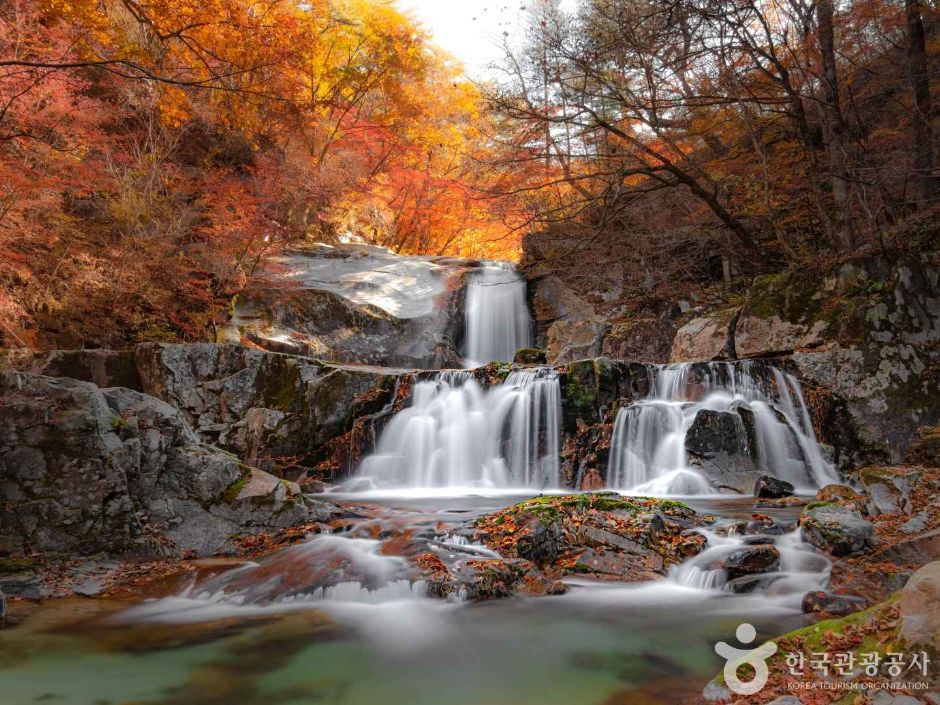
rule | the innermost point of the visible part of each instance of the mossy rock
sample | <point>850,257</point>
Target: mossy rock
<point>530,356</point>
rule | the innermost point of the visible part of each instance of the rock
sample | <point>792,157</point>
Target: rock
<point>719,445</point>
<point>917,523</point>
<point>867,331</point>
<point>600,533</point>
<point>643,340</point>
<point>820,602</point>
<point>889,489</point>
<point>835,493</point>
<point>117,472</point>
<point>357,304</point>
<point>772,488</point>
<point>836,529</point>
<point>926,448</point>
<point>263,406</point>
<point>917,550</point>
<point>553,300</point>
<point>530,356</point>
<point>717,692</point>
<point>786,700</point>
<point>567,341</point>
<point>708,337</point>
<point>751,560</point>
<point>781,503</point>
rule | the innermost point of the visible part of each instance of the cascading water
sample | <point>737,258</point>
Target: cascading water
<point>456,434</point>
<point>801,568</point>
<point>497,317</point>
<point>765,415</point>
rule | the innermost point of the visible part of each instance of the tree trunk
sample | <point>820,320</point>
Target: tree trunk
<point>922,137</point>
<point>835,129</point>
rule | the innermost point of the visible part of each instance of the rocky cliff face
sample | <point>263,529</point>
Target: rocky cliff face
<point>86,470</point>
<point>281,413</point>
<point>862,336</point>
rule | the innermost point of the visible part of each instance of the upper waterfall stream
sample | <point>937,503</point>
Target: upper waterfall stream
<point>498,321</point>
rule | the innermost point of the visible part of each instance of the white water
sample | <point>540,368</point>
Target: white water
<point>497,317</point>
<point>456,434</point>
<point>648,448</point>
<point>801,569</point>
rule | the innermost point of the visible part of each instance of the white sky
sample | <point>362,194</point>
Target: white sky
<point>471,30</point>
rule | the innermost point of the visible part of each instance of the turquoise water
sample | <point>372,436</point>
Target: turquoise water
<point>600,644</point>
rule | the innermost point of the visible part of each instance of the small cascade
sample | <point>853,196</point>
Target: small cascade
<point>801,568</point>
<point>497,317</point>
<point>760,421</point>
<point>324,570</point>
<point>456,434</point>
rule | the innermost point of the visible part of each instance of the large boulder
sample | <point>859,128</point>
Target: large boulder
<point>720,444</point>
<point>357,303</point>
<point>599,534</point>
<point>836,529</point>
<point>573,340</point>
<point>708,336</point>
<point>640,339</point>
<point>85,470</point>
<point>920,618</point>
<point>889,489</point>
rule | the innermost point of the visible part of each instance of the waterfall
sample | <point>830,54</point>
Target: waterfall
<point>497,317</point>
<point>767,420</point>
<point>456,434</point>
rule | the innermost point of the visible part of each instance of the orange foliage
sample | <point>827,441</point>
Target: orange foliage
<point>153,152</point>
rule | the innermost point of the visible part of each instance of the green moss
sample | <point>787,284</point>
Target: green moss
<point>279,383</point>
<point>12,566</point>
<point>232,491</point>
<point>814,636</point>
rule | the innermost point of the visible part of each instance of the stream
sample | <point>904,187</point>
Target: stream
<point>245,636</point>
<point>340,617</point>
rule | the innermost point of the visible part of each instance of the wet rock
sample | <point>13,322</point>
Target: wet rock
<point>889,489</point>
<point>357,304</point>
<point>920,618</point>
<point>836,529</point>
<point>751,560</point>
<point>718,445</point>
<point>772,488</point>
<point>820,602</point>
